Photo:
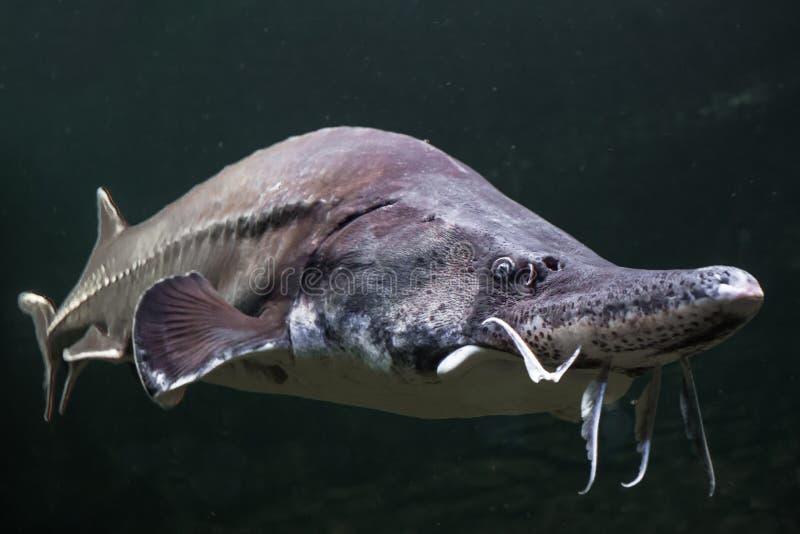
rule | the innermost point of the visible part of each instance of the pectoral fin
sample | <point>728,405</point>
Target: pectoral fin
<point>183,329</point>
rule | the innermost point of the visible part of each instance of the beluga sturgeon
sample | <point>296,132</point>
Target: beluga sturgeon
<point>369,268</point>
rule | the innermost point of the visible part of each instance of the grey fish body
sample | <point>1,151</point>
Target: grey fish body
<point>268,205</point>
<point>369,268</point>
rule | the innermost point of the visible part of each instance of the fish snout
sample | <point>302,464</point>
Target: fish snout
<point>640,315</point>
<point>735,290</point>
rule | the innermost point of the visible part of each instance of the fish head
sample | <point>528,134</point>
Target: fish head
<point>420,287</point>
<point>560,298</point>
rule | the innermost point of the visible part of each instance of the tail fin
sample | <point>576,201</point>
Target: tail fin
<point>41,311</point>
<point>46,321</point>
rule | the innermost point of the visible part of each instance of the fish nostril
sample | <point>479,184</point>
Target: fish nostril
<point>552,263</point>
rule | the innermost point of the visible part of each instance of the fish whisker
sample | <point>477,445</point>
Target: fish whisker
<point>536,370</point>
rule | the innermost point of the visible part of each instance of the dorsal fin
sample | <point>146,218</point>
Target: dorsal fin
<point>110,222</point>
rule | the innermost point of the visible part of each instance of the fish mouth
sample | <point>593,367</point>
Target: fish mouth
<point>593,398</point>
<point>628,329</point>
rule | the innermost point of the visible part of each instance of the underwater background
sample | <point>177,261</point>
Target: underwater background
<point>661,134</point>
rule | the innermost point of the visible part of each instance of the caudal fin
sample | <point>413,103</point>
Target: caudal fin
<point>46,321</point>
<point>41,311</point>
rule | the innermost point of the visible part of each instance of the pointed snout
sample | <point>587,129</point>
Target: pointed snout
<point>736,290</point>
<point>637,314</point>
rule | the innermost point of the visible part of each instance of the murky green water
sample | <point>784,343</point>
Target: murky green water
<point>662,134</point>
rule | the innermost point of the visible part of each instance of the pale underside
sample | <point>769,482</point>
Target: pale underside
<point>497,385</point>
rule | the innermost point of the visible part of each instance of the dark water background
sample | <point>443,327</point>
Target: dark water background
<point>662,134</point>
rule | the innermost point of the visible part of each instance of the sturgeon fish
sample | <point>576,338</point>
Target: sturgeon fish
<point>369,268</point>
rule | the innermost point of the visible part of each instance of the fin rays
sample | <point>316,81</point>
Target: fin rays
<point>183,330</point>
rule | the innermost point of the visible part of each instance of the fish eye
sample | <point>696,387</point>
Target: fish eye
<point>503,267</point>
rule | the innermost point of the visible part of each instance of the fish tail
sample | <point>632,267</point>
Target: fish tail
<point>48,322</point>
<point>41,310</point>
